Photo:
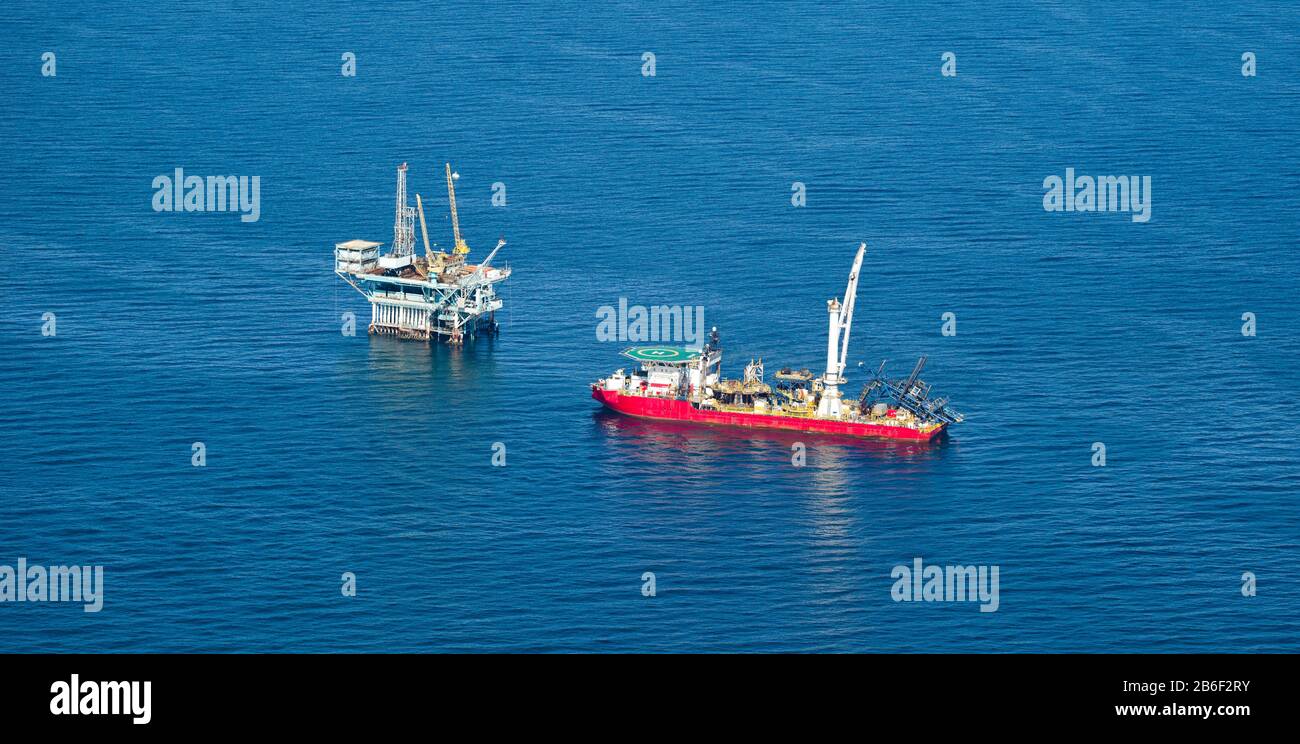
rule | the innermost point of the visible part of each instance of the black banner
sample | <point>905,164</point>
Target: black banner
<point>360,692</point>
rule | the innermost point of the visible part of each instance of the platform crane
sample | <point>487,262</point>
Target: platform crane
<point>424,233</point>
<point>461,248</point>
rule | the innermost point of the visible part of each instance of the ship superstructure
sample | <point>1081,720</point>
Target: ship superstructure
<point>437,295</point>
<point>680,384</point>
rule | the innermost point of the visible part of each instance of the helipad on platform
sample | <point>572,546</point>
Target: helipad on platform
<point>662,354</point>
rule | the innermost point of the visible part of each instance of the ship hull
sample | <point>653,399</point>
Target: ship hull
<point>673,409</point>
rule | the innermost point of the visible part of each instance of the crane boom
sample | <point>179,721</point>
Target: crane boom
<point>906,387</point>
<point>479,271</point>
<point>461,248</point>
<point>424,231</point>
<point>850,298</point>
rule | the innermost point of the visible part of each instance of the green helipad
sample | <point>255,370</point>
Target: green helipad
<point>662,354</point>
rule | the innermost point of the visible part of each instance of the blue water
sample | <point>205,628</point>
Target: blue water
<point>328,454</point>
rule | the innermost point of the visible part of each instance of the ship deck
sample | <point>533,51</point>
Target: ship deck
<point>808,413</point>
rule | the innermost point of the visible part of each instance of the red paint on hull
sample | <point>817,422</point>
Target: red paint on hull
<point>673,409</point>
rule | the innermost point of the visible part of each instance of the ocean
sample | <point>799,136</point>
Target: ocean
<point>131,334</point>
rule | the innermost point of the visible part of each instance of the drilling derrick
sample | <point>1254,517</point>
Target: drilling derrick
<point>404,222</point>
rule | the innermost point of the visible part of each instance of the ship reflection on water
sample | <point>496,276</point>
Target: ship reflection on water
<point>742,487</point>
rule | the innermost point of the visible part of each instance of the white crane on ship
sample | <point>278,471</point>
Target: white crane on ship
<point>837,341</point>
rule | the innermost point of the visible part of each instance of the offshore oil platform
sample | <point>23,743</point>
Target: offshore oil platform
<point>438,295</point>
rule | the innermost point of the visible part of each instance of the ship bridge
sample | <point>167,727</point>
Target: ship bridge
<point>673,370</point>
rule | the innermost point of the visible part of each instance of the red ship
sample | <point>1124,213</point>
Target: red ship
<point>679,384</point>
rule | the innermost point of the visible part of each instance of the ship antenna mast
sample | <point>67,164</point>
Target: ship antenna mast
<point>461,248</point>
